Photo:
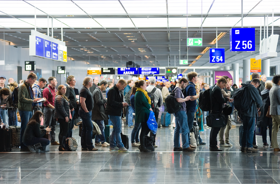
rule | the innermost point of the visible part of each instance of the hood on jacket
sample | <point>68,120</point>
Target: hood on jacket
<point>265,91</point>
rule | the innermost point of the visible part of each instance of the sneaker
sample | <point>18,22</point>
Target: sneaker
<point>255,146</point>
<point>202,143</point>
<point>178,149</point>
<point>243,149</point>
<point>252,150</point>
<point>135,145</point>
<point>215,149</point>
<point>222,144</point>
<point>93,149</point>
<point>98,144</point>
<point>189,149</point>
<point>227,145</point>
<point>123,149</point>
<point>114,149</point>
<point>104,145</point>
<point>155,146</point>
<point>55,143</point>
<point>265,146</point>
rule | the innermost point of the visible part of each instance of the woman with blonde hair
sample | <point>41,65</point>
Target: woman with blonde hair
<point>62,114</point>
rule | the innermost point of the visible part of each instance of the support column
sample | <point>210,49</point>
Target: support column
<point>246,70</point>
<point>208,77</point>
<point>266,67</point>
<point>211,78</point>
<point>235,67</point>
<point>227,68</point>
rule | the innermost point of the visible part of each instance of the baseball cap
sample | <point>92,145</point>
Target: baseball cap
<point>3,77</point>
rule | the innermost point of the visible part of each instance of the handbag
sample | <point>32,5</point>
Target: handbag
<point>268,115</point>
<point>227,110</point>
<point>216,120</point>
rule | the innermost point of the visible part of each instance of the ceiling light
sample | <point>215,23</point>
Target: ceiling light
<point>127,33</point>
<point>198,57</point>
<point>218,37</point>
<point>129,36</point>
<point>205,50</point>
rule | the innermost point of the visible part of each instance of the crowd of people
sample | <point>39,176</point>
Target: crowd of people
<point>41,104</point>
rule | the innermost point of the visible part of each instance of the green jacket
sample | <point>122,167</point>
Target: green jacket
<point>142,107</point>
<point>24,98</point>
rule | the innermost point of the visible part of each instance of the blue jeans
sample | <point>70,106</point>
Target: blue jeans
<point>135,132</point>
<point>190,119</point>
<point>100,138</point>
<point>86,138</point>
<point>4,114</point>
<point>110,122</point>
<point>35,140</point>
<point>24,116</point>
<point>129,116</point>
<point>71,125</point>
<point>248,134</point>
<point>12,117</point>
<point>116,139</point>
<point>181,126</point>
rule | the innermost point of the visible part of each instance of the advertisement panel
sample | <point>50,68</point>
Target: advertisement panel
<point>220,74</point>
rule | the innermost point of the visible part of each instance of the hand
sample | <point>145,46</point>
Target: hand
<point>230,100</point>
<point>187,98</point>
<point>48,129</point>
<point>36,99</point>
<point>3,106</point>
<point>151,109</point>
<point>44,99</point>
<point>66,119</point>
<point>125,104</point>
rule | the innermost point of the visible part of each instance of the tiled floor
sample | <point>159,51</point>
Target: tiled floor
<point>159,167</point>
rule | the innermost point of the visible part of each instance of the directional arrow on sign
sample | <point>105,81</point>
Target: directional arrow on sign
<point>198,42</point>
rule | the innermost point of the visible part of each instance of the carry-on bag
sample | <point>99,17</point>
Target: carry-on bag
<point>165,119</point>
<point>125,140</point>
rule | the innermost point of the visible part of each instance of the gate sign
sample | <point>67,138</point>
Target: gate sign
<point>128,71</point>
<point>217,55</point>
<point>149,71</point>
<point>242,39</point>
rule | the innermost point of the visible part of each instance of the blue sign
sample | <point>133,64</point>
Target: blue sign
<point>39,46</point>
<point>54,51</point>
<point>149,71</point>
<point>128,71</point>
<point>242,39</point>
<point>48,49</point>
<point>179,76</point>
<point>217,55</point>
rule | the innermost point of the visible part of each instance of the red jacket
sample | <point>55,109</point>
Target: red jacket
<point>49,96</point>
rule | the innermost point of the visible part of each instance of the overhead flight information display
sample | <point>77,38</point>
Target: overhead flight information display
<point>128,71</point>
<point>149,71</point>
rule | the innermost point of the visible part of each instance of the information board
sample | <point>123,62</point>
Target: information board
<point>107,71</point>
<point>217,55</point>
<point>30,65</point>
<point>54,51</point>
<point>39,46</point>
<point>171,71</point>
<point>48,49</point>
<point>128,71</point>
<point>61,69</point>
<point>148,71</point>
<point>242,39</point>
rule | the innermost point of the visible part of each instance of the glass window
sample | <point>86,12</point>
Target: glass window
<point>272,70</point>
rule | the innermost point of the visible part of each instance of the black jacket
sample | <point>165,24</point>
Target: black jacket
<point>32,130</point>
<point>61,107</point>
<point>217,100</point>
<point>98,111</point>
<point>70,94</point>
<point>92,88</point>
<point>114,102</point>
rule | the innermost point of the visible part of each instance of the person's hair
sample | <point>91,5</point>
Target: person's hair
<point>230,79</point>
<point>86,81</point>
<point>226,77</point>
<point>51,79</point>
<point>268,85</point>
<point>36,117</point>
<point>59,93</point>
<point>276,79</point>
<point>256,81</point>
<point>21,81</point>
<point>191,75</point>
<point>10,79</point>
<point>205,84</point>
<point>223,80</point>
<point>129,81</point>
<point>140,83</point>
<point>255,76</point>
<point>103,83</point>
<point>109,83</point>
<point>263,76</point>
<point>184,80</point>
<point>70,78</point>
<point>234,85</point>
<point>4,91</point>
<point>32,75</point>
<point>152,80</point>
<point>122,82</point>
<point>13,86</point>
<point>133,91</point>
<point>42,80</point>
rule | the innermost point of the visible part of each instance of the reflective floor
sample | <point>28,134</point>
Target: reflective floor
<point>161,166</point>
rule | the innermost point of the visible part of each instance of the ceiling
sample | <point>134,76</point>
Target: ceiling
<point>150,32</point>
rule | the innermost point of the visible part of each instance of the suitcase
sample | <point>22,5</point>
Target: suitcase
<point>196,132</point>
<point>107,133</point>
<point>6,140</point>
<point>165,119</point>
<point>241,130</point>
<point>15,135</point>
<point>125,140</point>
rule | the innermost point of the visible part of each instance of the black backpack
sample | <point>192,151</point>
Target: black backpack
<point>171,103</point>
<point>15,97</point>
<point>241,103</point>
<point>204,100</point>
<point>152,97</point>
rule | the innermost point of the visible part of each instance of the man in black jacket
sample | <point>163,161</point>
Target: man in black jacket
<point>114,109</point>
<point>70,94</point>
<point>217,104</point>
<point>98,113</point>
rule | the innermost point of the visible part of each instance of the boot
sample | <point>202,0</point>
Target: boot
<point>142,146</point>
<point>62,146</point>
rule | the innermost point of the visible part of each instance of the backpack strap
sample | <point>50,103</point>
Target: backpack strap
<point>154,90</point>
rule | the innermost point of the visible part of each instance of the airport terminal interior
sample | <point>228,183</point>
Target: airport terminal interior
<point>119,43</point>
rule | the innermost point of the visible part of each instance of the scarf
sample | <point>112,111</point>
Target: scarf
<point>146,94</point>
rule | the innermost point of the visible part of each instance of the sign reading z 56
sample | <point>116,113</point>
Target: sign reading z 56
<point>242,39</point>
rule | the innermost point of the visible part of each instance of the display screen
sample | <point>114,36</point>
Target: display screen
<point>48,49</point>
<point>128,71</point>
<point>39,46</point>
<point>171,71</point>
<point>30,66</point>
<point>61,70</point>
<point>107,71</point>
<point>54,51</point>
<point>148,71</point>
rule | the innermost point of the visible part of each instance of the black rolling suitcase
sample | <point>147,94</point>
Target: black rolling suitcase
<point>125,140</point>
<point>6,140</point>
<point>15,135</point>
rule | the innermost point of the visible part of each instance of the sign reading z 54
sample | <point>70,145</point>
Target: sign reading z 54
<point>242,39</point>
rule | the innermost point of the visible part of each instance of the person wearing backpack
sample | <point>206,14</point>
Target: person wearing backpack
<point>12,112</point>
<point>37,92</point>
<point>129,109</point>
<point>249,104</point>
<point>49,94</point>
<point>191,104</point>
<point>181,118</point>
